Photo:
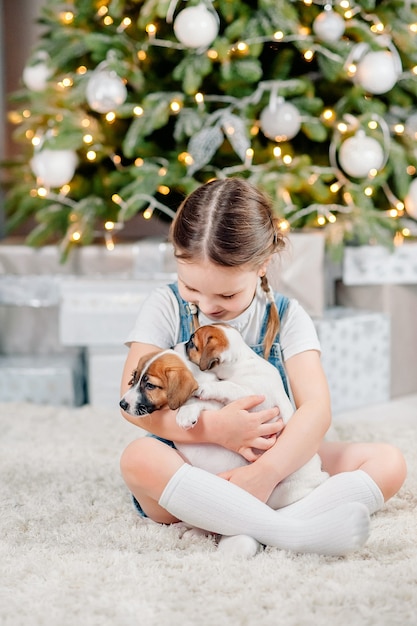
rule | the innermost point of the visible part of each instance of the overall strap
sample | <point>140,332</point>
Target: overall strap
<point>275,356</point>
<point>186,318</point>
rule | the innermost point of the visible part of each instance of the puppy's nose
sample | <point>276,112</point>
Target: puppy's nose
<point>123,404</point>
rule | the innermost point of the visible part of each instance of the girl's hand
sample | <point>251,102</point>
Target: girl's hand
<point>248,433</point>
<point>252,480</point>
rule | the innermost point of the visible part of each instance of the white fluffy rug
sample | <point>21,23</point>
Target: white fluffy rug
<point>73,553</point>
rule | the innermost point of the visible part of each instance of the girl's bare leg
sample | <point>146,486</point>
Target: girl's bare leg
<point>147,465</point>
<point>383,462</point>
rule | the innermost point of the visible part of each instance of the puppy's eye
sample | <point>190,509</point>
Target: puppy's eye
<point>149,386</point>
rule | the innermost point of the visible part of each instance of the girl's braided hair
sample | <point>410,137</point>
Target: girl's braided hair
<point>230,223</point>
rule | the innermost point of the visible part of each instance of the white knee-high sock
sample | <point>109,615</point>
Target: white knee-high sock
<point>214,504</point>
<point>356,486</point>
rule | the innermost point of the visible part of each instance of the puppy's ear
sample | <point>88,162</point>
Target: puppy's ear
<point>180,386</point>
<point>209,356</point>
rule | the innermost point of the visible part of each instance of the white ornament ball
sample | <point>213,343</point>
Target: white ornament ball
<point>105,91</point>
<point>196,27</point>
<point>329,26</point>
<point>410,201</point>
<point>360,154</point>
<point>377,72</point>
<point>54,168</point>
<point>36,76</point>
<point>280,122</point>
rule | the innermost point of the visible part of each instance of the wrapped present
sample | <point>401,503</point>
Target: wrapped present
<point>377,265</point>
<point>105,368</point>
<point>400,303</point>
<point>29,314</point>
<point>55,380</point>
<point>355,356</point>
<point>101,312</point>
<point>303,271</point>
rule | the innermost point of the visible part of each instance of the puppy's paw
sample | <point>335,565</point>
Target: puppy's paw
<point>187,416</point>
<point>204,392</point>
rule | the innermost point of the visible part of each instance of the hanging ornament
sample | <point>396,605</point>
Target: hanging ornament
<point>410,201</point>
<point>196,27</point>
<point>36,75</point>
<point>329,26</point>
<point>360,154</point>
<point>54,168</point>
<point>280,120</point>
<point>105,89</point>
<point>377,72</point>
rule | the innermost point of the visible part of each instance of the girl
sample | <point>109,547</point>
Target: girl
<point>224,236</point>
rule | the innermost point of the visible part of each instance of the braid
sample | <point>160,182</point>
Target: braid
<point>273,318</point>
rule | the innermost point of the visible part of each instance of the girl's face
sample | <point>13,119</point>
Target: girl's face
<point>221,293</point>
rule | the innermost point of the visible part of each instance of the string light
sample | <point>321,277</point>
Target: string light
<point>249,157</point>
<point>151,30</point>
<point>175,106</point>
<point>66,17</point>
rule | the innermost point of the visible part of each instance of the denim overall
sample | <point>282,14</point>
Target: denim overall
<point>187,328</point>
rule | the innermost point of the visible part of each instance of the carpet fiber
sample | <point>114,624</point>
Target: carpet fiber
<point>73,553</point>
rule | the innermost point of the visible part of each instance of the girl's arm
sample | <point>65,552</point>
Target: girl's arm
<point>302,435</point>
<point>232,427</point>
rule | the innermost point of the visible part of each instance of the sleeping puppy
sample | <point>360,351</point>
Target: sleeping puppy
<point>168,378</point>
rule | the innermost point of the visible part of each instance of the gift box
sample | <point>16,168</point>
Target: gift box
<point>101,312</point>
<point>377,265</point>
<point>299,271</point>
<point>399,302</point>
<point>355,356</point>
<point>57,380</point>
<point>29,318</point>
<point>104,374</point>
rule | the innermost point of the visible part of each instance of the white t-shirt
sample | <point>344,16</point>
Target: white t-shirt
<point>158,323</point>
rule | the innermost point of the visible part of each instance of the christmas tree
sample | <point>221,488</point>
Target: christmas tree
<point>128,105</point>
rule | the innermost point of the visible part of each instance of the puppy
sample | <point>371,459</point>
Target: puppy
<point>213,349</point>
<point>219,348</point>
<point>166,378</point>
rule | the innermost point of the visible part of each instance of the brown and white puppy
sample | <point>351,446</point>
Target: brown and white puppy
<point>240,372</point>
<point>160,379</point>
<point>166,378</point>
<point>152,388</point>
